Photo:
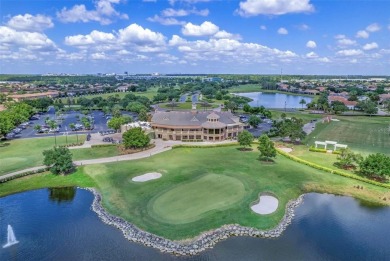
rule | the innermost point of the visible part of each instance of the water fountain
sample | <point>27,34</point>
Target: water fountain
<point>11,239</point>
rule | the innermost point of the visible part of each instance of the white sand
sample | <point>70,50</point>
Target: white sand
<point>267,205</point>
<point>147,177</point>
<point>288,150</point>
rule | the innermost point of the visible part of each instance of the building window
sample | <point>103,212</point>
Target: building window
<point>198,137</point>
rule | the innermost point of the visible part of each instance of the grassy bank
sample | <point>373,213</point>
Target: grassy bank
<point>26,153</point>
<point>362,134</point>
<point>160,206</point>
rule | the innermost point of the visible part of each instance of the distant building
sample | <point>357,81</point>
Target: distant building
<point>196,125</point>
<point>212,79</point>
<point>350,104</point>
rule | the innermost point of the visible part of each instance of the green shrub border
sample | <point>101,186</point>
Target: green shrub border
<point>104,145</point>
<point>337,172</point>
<point>23,174</point>
<point>204,146</point>
<point>314,149</point>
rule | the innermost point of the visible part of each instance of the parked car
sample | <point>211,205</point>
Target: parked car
<point>108,139</point>
<point>10,135</point>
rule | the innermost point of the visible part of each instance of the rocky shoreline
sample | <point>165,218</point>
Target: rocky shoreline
<point>192,247</point>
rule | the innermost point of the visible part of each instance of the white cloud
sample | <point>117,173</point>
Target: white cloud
<point>23,39</point>
<point>99,56</point>
<point>303,27</point>
<point>312,55</point>
<point>95,37</point>
<point>311,44</point>
<point>343,41</point>
<point>282,30</point>
<point>274,7</point>
<point>169,12</point>
<point>135,33</point>
<point>373,28</point>
<point>350,52</point>
<point>205,29</point>
<point>177,40</point>
<point>263,27</point>
<point>102,13</point>
<point>166,20</point>
<point>362,34</point>
<point>30,23</point>
<point>370,46</point>
<point>225,35</point>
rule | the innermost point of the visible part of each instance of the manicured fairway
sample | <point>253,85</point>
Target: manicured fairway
<point>26,153</point>
<point>362,134</point>
<point>190,201</point>
<point>201,189</point>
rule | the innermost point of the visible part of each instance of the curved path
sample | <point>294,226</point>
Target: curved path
<point>160,146</point>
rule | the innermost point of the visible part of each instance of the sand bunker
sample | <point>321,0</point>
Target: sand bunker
<point>147,177</point>
<point>288,150</point>
<point>267,205</point>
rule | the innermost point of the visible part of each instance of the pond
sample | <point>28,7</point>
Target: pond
<point>59,225</point>
<point>275,100</point>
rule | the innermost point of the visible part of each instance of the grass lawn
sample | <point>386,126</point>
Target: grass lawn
<point>246,88</point>
<point>150,93</point>
<point>26,153</point>
<point>45,180</point>
<point>186,106</point>
<point>305,116</point>
<point>362,134</point>
<point>200,189</point>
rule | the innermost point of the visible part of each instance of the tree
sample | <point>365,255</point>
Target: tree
<point>347,158</point>
<point>246,108</point>
<point>231,106</point>
<point>386,105</point>
<point>375,166</point>
<point>291,128</point>
<point>302,102</point>
<point>72,126</point>
<point>338,107</point>
<point>59,159</point>
<point>254,121</point>
<point>143,115</point>
<point>368,107</point>
<point>6,124</point>
<point>53,125</point>
<point>135,138</point>
<point>37,127</point>
<point>245,138</point>
<point>116,122</point>
<point>135,107</point>
<point>266,148</point>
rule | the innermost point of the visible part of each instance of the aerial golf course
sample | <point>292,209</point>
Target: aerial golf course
<point>199,189</point>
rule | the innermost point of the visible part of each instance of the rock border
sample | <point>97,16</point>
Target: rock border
<point>193,246</point>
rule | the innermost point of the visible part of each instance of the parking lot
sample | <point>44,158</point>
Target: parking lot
<point>98,118</point>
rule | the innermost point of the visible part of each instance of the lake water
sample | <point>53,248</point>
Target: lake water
<point>275,100</point>
<point>59,225</point>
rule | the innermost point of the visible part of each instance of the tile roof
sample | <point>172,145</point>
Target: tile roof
<point>189,118</point>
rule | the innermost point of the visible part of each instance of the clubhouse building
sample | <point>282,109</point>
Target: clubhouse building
<point>196,125</point>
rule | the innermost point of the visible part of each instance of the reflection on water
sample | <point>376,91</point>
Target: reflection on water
<point>325,227</point>
<point>275,100</point>
<point>60,195</point>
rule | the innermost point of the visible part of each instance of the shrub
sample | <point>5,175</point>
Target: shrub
<point>314,149</point>
<point>337,172</point>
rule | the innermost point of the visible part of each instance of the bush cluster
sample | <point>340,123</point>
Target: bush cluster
<point>337,172</point>
<point>103,145</point>
<point>314,149</point>
<point>23,174</point>
<point>204,146</point>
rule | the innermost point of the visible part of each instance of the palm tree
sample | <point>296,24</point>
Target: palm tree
<point>37,127</point>
<point>52,124</point>
<point>302,102</point>
<point>73,127</point>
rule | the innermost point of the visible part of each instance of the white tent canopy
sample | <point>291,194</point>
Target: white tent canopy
<point>329,142</point>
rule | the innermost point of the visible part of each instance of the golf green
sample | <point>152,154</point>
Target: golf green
<point>188,202</point>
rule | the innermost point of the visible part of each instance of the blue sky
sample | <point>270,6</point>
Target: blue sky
<point>195,36</point>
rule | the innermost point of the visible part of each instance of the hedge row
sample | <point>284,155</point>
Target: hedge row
<point>204,146</point>
<point>23,174</point>
<point>103,145</point>
<point>314,149</point>
<point>72,145</point>
<point>337,172</point>
<point>192,140</point>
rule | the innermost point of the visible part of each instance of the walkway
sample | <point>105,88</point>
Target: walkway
<point>160,146</point>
